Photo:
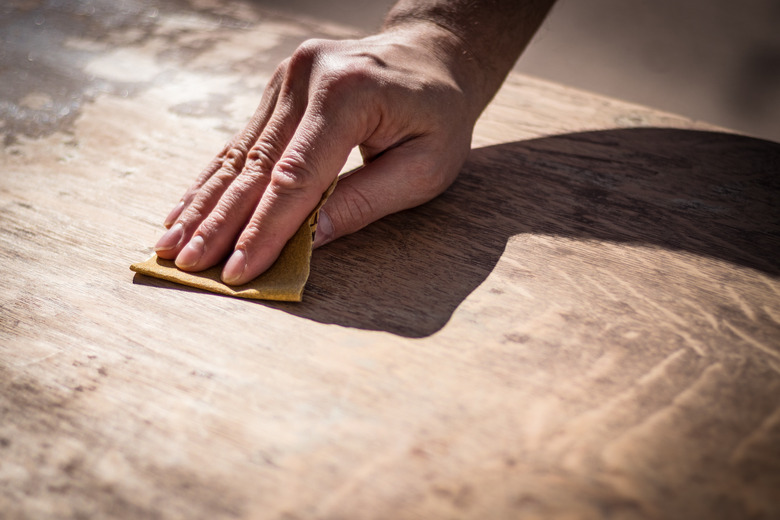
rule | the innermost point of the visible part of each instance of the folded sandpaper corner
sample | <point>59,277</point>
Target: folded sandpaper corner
<point>283,281</point>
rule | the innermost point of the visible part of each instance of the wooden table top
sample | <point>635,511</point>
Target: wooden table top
<point>586,325</point>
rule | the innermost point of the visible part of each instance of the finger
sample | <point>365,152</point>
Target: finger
<point>401,178</point>
<point>315,155</point>
<point>249,133</point>
<point>202,202</point>
<point>204,194</point>
<point>207,172</point>
<point>215,235</point>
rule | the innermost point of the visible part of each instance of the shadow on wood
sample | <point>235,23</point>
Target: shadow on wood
<point>710,194</point>
<point>707,193</point>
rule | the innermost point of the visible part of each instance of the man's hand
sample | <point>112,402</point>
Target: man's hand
<point>408,97</point>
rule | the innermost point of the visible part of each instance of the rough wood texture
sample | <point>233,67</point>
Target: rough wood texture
<point>587,325</point>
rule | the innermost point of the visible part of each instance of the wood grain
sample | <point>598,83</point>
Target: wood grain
<point>586,325</point>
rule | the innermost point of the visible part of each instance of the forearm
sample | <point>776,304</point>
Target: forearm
<point>485,37</point>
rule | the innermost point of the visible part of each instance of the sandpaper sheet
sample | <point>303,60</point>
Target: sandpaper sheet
<point>283,281</point>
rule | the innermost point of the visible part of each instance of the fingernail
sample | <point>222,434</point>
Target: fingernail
<point>173,215</point>
<point>234,268</point>
<point>170,239</point>
<point>191,253</point>
<point>324,232</point>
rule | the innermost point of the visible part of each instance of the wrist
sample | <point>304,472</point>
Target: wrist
<point>485,36</point>
<point>452,52</point>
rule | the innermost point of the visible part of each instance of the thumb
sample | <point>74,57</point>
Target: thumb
<point>401,178</point>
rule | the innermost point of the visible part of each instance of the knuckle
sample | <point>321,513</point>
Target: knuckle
<point>261,158</point>
<point>234,159</point>
<point>193,214</point>
<point>226,149</point>
<point>207,196</point>
<point>306,53</point>
<point>348,77</point>
<point>291,177</point>
<point>213,223</point>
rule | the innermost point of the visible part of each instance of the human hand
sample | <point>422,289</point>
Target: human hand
<point>401,96</point>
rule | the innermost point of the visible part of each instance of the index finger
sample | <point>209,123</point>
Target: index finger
<point>309,164</point>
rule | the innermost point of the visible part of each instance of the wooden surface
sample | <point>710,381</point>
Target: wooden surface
<point>586,325</point>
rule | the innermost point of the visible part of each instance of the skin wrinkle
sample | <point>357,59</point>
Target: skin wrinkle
<point>234,161</point>
<point>259,159</point>
<point>239,199</point>
<point>358,211</point>
<point>291,177</point>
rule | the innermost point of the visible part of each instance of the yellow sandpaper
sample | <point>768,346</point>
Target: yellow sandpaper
<point>283,281</point>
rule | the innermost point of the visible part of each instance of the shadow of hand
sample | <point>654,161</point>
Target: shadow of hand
<point>710,194</point>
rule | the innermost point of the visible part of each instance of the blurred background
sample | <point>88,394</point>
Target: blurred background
<point>712,60</point>
<point>716,61</point>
